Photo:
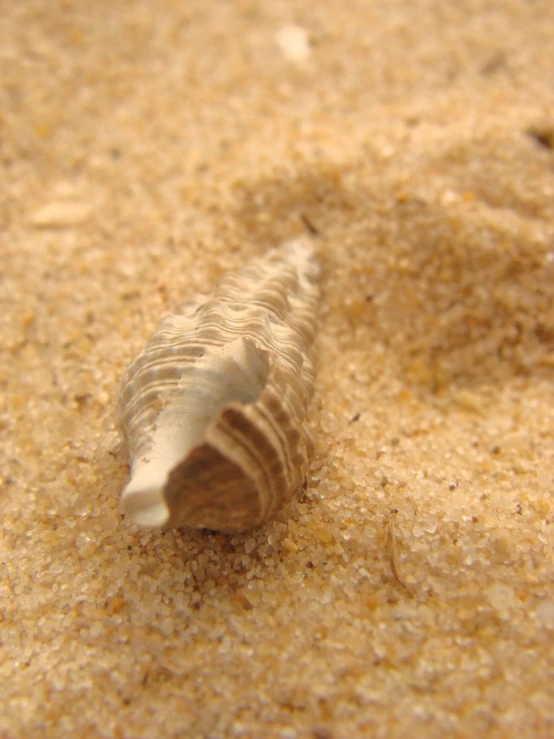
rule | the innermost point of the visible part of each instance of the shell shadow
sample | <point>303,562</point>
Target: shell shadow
<point>456,292</point>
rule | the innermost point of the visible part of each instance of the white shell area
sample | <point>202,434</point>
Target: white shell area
<point>213,411</point>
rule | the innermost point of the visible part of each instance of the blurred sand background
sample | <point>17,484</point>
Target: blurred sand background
<point>145,149</point>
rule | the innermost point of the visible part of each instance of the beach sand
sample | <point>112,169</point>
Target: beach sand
<point>147,148</point>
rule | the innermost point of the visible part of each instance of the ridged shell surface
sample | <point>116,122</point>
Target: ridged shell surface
<point>214,409</point>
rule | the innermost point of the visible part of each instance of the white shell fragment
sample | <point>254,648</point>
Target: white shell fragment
<point>214,409</point>
<point>61,214</point>
<point>293,43</point>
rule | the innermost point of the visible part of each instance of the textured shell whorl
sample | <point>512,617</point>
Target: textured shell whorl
<point>214,409</point>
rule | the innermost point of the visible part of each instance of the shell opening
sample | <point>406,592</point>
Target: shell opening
<point>238,373</point>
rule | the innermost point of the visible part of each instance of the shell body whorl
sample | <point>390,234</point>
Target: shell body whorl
<point>213,411</point>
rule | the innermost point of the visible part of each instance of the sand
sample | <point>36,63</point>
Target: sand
<point>146,148</point>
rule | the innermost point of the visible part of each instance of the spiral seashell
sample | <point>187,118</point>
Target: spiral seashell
<point>214,409</point>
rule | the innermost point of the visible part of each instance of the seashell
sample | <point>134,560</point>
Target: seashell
<point>213,411</point>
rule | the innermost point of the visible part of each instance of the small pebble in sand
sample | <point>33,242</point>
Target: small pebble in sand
<point>293,43</point>
<point>61,214</point>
